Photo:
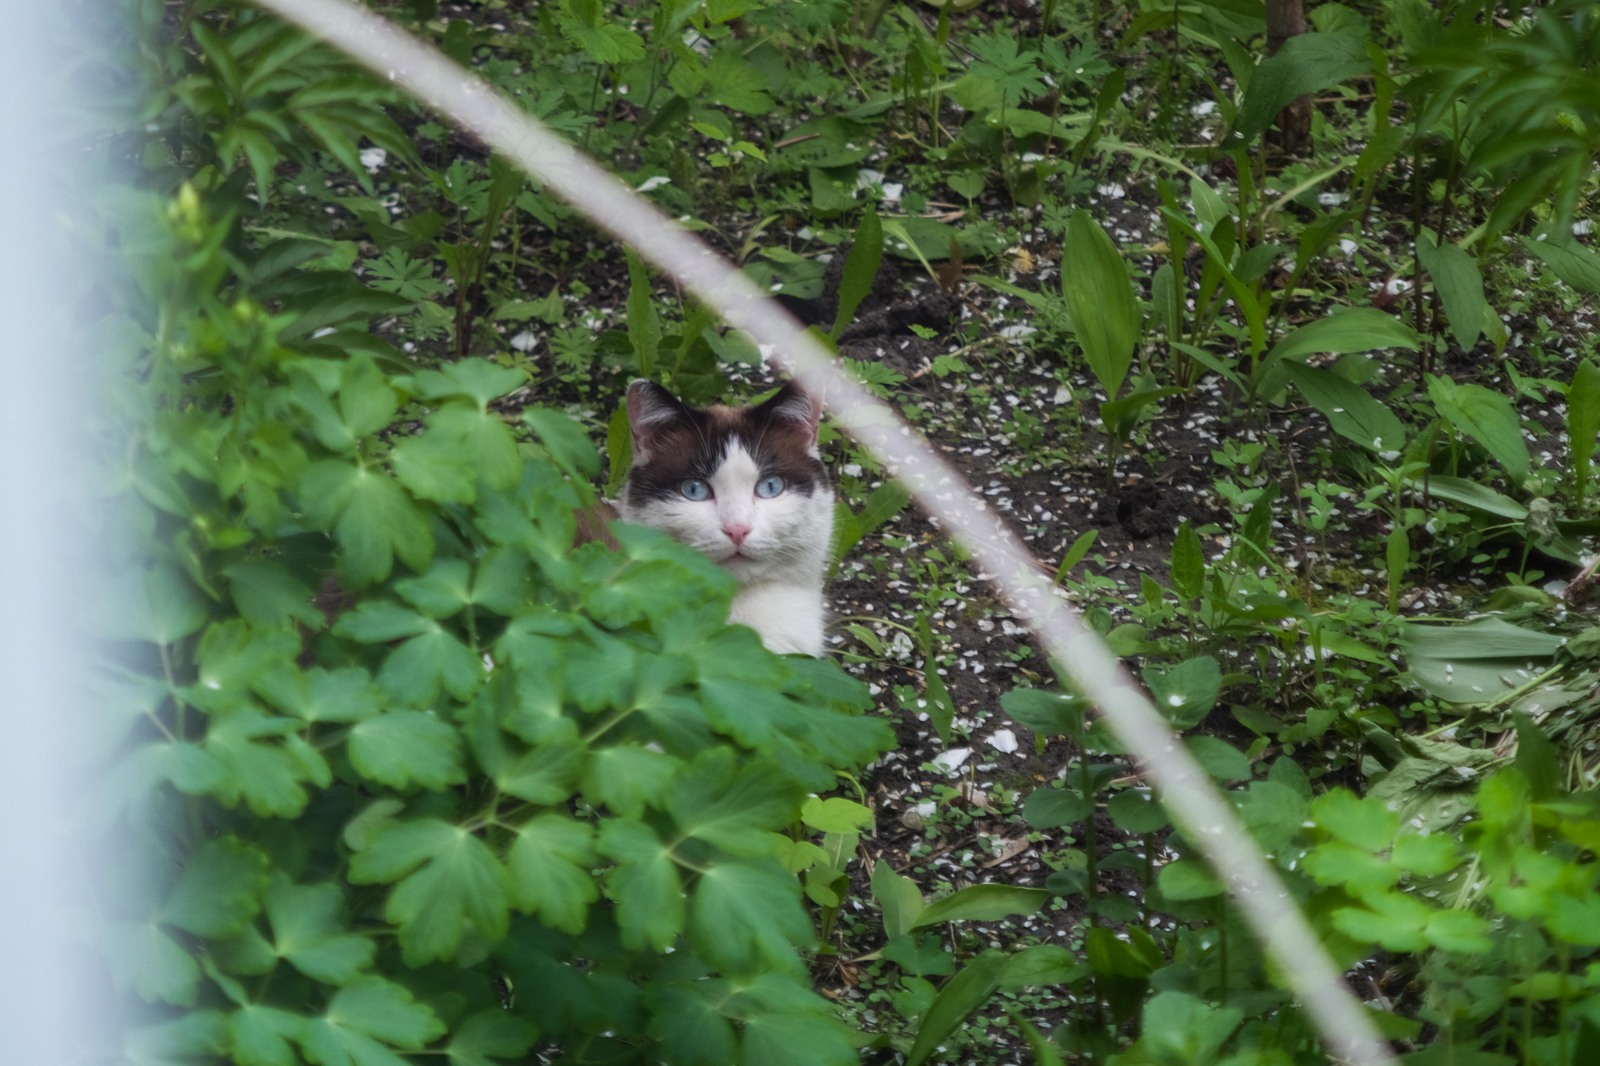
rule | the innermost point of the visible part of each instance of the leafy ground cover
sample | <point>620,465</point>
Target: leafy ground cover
<point>1306,432</point>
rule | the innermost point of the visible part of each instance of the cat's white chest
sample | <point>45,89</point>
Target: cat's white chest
<point>789,618</point>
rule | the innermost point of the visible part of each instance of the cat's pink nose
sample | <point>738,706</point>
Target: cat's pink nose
<point>736,533</point>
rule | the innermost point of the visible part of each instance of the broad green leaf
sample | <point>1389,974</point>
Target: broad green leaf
<point>380,622</point>
<point>1121,416</point>
<point>220,889</point>
<point>435,466</point>
<point>687,1022</point>
<point>644,884</point>
<point>1219,759</point>
<point>644,325</point>
<point>1571,262</point>
<point>1187,879</point>
<point>1475,662</point>
<point>311,930</point>
<point>440,593</point>
<point>1186,693</point>
<point>1391,920</point>
<point>961,995</point>
<point>1046,713</point>
<point>1353,329</point>
<point>1304,64</point>
<point>1042,964</point>
<point>746,917</point>
<point>797,1037</point>
<point>898,897</point>
<point>1583,425</point>
<point>1188,564</point>
<point>983,903</point>
<point>414,672</point>
<point>835,815</point>
<point>266,594</point>
<point>548,774</point>
<point>550,862</point>
<point>1181,1028</point>
<point>489,1035</point>
<point>402,748</point>
<point>582,23</point>
<point>266,775</point>
<point>476,379</point>
<point>1050,807</point>
<point>1486,416</point>
<point>860,268</point>
<point>1350,409</point>
<point>446,880</point>
<point>1459,283</point>
<point>1100,300</point>
<point>1470,494</point>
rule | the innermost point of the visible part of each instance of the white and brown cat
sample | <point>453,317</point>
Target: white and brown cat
<point>746,487</point>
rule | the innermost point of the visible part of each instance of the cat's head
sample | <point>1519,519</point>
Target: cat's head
<point>744,486</point>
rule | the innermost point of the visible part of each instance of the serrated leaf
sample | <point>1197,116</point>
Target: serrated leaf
<point>983,903</point>
<point>414,672</point>
<point>365,1023</point>
<point>566,441</point>
<point>447,882</point>
<point>626,778</point>
<point>264,775</point>
<point>311,930</point>
<point>835,815</point>
<point>367,403</point>
<point>644,325</point>
<point>1391,920</point>
<point>1364,823</point>
<point>403,748</point>
<point>380,622</point>
<point>644,884</point>
<point>1351,410</point>
<point>1186,693</point>
<point>435,466</point>
<point>439,593</point>
<point>259,1035</point>
<point>478,380</point>
<point>550,862</point>
<point>146,958</point>
<point>1179,1027</point>
<point>371,517</point>
<point>687,1022</point>
<point>746,917</point>
<point>219,891</point>
<point>732,809</point>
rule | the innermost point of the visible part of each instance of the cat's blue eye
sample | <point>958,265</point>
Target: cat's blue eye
<point>769,486</point>
<point>695,489</point>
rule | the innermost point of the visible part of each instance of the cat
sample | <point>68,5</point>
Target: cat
<point>747,488</point>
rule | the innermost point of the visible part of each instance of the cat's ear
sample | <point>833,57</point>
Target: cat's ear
<point>652,410</point>
<point>795,405</point>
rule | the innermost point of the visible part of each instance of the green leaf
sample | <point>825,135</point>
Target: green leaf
<point>1304,64</point>
<point>440,593</point>
<point>1475,662</point>
<point>581,22</point>
<point>1218,758</point>
<point>403,748</point>
<point>146,958</point>
<point>447,882</point>
<point>1459,283</point>
<point>1046,713</point>
<point>1352,329</point>
<point>549,863</point>
<point>746,917</point>
<point>266,776</point>
<point>1583,425</point>
<point>628,778</point>
<point>644,325</point>
<point>367,403</point>
<point>1187,879</point>
<point>835,815</point>
<point>1100,300</point>
<point>311,931</point>
<point>259,1035</point>
<point>1352,411</point>
<point>1470,494</point>
<point>1188,564</point>
<point>1365,823</point>
<point>736,83</point>
<point>732,807</point>
<point>435,466</point>
<point>1394,921</point>
<point>1488,418</point>
<point>1075,553</point>
<point>1181,1028</point>
<point>860,269</point>
<point>644,884</point>
<point>220,890</point>
<point>1571,262</point>
<point>489,1035</point>
<point>960,996</point>
<point>1186,693</point>
<point>1050,807</point>
<point>687,1022</point>
<point>414,672</point>
<point>371,517</point>
<point>566,441</point>
<point>365,1022</point>
<point>983,903</point>
<point>478,380</point>
<point>898,897</point>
